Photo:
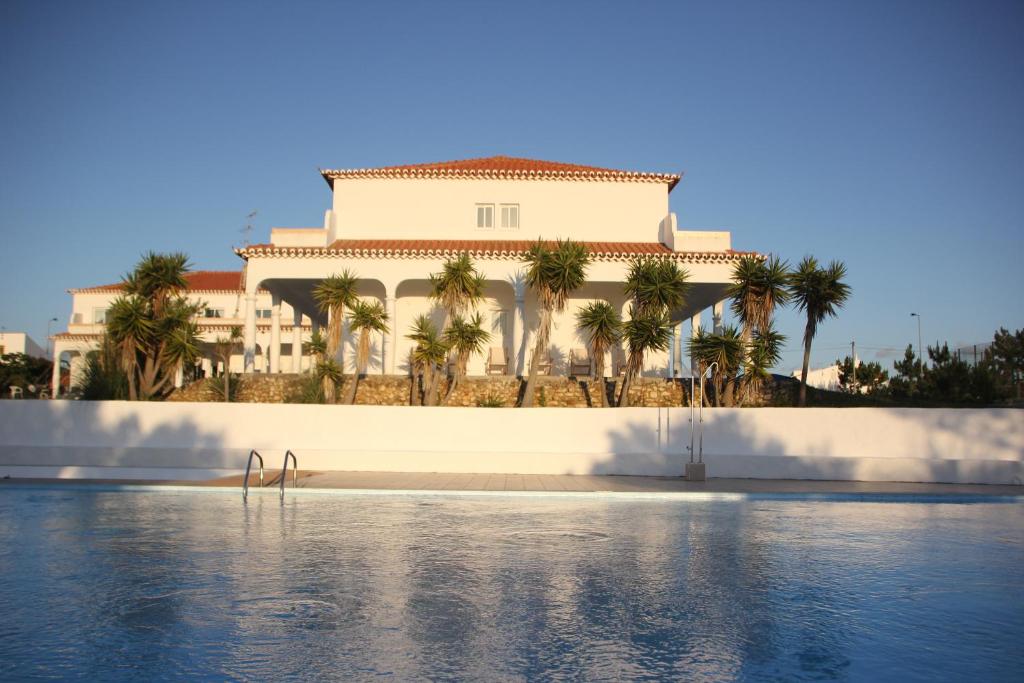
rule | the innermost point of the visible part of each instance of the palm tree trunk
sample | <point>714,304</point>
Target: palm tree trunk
<point>744,382</point>
<point>807,361</point>
<point>631,369</point>
<point>543,331</point>
<point>598,381</point>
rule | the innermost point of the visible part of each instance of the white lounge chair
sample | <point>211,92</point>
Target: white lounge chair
<point>497,361</point>
<point>579,362</point>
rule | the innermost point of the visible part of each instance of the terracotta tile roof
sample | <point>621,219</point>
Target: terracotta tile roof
<point>500,249</point>
<point>198,281</point>
<point>504,168</point>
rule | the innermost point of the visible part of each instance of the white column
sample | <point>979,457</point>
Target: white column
<point>518,358</point>
<point>694,329</point>
<point>55,378</point>
<point>275,334</point>
<point>297,341</point>
<point>717,312</point>
<point>249,334</point>
<point>179,376</point>
<point>389,341</point>
<point>680,347</point>
<point>672,352</point>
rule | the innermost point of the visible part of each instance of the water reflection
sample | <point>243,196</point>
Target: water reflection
<point>161,585</point>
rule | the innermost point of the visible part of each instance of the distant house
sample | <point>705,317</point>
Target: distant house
<point>394,226</point>
<point>19,342</point>
<point>826,378</point>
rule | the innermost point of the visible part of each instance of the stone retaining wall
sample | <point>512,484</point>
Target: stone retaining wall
<point>377,390</point>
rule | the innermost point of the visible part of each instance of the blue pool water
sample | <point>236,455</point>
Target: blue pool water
<point>156,586</point>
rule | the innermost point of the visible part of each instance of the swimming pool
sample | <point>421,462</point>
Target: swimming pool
<point>165,585</point>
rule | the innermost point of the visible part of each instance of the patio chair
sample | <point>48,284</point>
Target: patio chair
<point>579,362</point>
<point>544,365</point>
<point>497,361</point>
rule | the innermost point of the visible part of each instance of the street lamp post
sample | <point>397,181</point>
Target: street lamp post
<point>920,358</point>
<point>49,322</point>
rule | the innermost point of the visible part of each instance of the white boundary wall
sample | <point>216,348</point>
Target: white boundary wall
<point>201,440</point>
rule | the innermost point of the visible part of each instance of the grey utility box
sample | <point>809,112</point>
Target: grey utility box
<point>696,471</point>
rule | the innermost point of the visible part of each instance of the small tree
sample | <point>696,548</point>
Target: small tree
<point>426,357</point>
<point>764,352</point>
<point>870,378</point>
<point>643,332</point>
<point>465,338</point>
<point>603,326</point>
<point>553,273</point>
<point>365,318</point>
<point>152,325</point>
<point>726,351</point>
<point>224,347</point>
<point>333,295</point>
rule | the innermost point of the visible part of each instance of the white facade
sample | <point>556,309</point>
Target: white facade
<point>395,226</point>
<point>19,342</point>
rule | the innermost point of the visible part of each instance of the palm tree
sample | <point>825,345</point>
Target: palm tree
<point>657,287</point>
<point>643,332</point>
<point>603,327</point>
<point>764,352</point>
<point>553,273</point>
<point>465,338</point>
<point>458,288</point>
<point>152,325</point>
<point>725,349</point>
<point>366,318</point>
<point>758,287</point>
<point>328,374</point>
<point>820,292</point>
<point>316,347</point>
<point>427,355</point>
<point>224,347</point>
<point>333,295</point>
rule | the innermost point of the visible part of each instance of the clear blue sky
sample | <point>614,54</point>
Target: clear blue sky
<point>889,135</point>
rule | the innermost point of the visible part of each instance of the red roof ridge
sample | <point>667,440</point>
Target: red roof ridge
<point>198,281</point>
<point>504,167</point>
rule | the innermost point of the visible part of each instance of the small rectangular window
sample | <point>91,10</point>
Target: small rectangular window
<point>510,216</point>
<point>214,313</point>
<point>263,313</point>
<point>99,316</point>
<point>485,215</point>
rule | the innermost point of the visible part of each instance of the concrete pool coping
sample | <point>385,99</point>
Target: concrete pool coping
<point>611,486</point>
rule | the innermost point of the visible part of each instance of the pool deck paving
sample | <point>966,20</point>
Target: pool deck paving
<point>559,483</point>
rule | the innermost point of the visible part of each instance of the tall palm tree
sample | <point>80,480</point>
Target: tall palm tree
<point>366,318</point>
<point>553,273</point>
<point>458,288</point>
<point>657,287</point>
<point>465,338</point>
<point>820,292</point>
<point>428,354</point>
<point>333,295</point>
<point>603,327</point>
<point>643,332</point>
<point>224,347</point>
<point>758,287</point>
<point>725,349</point>
<point>152,325</point>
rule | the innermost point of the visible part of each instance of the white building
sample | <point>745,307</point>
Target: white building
<point>19,342</point>
<point>395,226</point>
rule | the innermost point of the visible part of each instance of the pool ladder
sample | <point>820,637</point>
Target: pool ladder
<point>699,451</point>
<point>284,472</point>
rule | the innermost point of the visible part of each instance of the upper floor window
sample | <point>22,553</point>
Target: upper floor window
<point>510,216</point>
<point>263,313</point>
<point>485,215</point>
<point>99,316</point>
<point>214,313</point>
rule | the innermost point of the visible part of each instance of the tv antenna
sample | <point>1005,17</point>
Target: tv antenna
<point>247,230</point>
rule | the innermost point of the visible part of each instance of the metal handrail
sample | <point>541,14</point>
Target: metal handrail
<point>284,471</point>
<point>699,453</point>
<point>248,466</point>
